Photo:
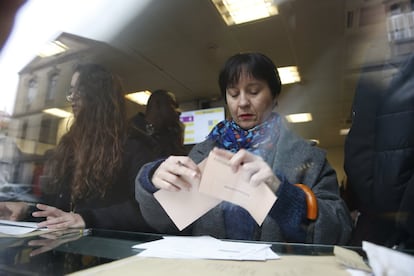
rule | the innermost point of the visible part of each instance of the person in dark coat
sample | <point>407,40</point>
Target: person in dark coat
<point>379,160</point>
<point>162,122</point>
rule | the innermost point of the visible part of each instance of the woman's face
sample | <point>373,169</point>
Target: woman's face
<point>74,96</point>
<point>250,101</point>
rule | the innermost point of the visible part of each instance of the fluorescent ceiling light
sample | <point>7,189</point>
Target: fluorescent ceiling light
<point>242,11</point>
<point>288,74</point>
<point>52,48</point>
<point>299,117</point>
<point>314,141</point>
<point>344,131</point>
<point>139,97</point>
<point>58,112</point>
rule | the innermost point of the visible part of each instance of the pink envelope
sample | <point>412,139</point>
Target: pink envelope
<point>219,181</point>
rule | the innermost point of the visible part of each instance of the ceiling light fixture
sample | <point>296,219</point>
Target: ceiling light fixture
<point>52,48</point>
<point>242,11</point>
<point>58,112</point>
<point>314,141</point>
<point>140,97</point>
<point>289,74</point>
<point>299,118</point>
<point>344,131</point>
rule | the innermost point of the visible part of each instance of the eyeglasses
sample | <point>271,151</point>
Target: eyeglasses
<point>73,95</point>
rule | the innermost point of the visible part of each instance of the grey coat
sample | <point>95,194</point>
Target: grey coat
<point>300,163</point>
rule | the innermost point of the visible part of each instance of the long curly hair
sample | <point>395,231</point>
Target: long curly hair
<point>89,155</point>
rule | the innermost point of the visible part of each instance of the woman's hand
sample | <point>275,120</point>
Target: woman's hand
<point>58,219</point>
<point>252,168</point>
<point>176,173</point>
<point>13,210</point>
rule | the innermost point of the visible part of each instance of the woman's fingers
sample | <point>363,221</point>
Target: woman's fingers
<point>60,219</point>
<point>168,181</point>
<point>252,168</point>
<point>58,223</point>
<point>183,161</point>
<point>46,211</point>
<point>257,172</point>
<point>176,173</point>
<point>236,160</point>
<point>55,222</point>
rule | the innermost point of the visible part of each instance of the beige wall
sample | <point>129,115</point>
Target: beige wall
<point>335,157</point>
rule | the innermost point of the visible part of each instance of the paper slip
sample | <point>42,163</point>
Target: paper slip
<point>205,247</point>
<point>386,261</point>
<point>221,182</point>
<point>184,207</point>
<point>9,227</point>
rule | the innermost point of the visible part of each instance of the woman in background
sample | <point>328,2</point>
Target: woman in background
<point>92,169</point>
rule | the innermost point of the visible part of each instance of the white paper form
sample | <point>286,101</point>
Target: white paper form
<point>205,247</point>
<point>386,261</point>
<point>9,227</point>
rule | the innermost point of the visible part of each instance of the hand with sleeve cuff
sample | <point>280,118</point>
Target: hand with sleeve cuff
<point>58,219</point>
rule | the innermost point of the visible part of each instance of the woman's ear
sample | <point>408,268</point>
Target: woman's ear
<point>274,102</point>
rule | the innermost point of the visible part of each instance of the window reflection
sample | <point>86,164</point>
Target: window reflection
<point>31,92</point>
<point>334,45</point>
<point>52,87</point>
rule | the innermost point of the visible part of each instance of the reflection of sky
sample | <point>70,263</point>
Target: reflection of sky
<point>39,21</point>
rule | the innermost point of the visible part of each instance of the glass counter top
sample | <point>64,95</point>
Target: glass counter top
<point>71,251</point>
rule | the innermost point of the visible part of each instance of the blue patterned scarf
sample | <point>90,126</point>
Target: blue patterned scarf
<point>258,140</point>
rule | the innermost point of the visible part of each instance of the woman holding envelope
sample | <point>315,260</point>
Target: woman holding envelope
<point>264,156</point>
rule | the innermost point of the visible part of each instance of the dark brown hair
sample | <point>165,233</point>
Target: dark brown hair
<point>257,65</point>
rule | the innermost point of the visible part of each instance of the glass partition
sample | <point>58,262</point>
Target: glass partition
<point>340,49</point>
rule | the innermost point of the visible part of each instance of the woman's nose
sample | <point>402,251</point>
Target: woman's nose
<point>244,99</point>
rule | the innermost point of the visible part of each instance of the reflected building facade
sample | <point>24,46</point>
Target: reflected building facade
<point>44,85</point>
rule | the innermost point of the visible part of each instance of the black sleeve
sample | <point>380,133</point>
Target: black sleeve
<point>124,214</point>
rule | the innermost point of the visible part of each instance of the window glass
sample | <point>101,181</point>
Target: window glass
<point>31,92</point>
<point>343,51</point>
<point>51,90</point>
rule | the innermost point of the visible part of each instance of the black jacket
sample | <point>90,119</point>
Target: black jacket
<point>118,209</point>
<point>379,157</point>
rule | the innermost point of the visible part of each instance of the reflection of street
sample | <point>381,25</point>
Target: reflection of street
<point>16,192</point>
<point>9,155</point>
<point>20,173</point>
